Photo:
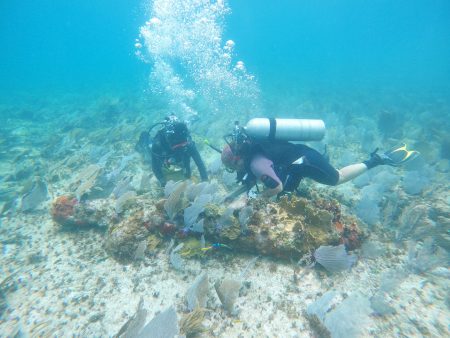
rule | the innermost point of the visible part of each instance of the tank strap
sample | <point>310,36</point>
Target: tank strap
<point>273,128</point>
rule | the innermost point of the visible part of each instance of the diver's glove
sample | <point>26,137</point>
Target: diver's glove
<point>378,159</point>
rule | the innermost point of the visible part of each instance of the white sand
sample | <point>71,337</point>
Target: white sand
<point>68,286</point>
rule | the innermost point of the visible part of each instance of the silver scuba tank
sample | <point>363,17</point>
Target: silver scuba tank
<point>285,129</point>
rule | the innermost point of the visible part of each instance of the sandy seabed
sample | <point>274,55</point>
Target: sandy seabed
<point>66,285</point>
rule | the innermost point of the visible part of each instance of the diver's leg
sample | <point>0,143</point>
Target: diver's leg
<point>315,166</point>
<point>354,170</point>
<point>292,180</point>
<point>351,171</point>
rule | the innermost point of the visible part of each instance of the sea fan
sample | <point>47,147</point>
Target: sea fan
<point>349,318</point>
<point>35,196</point>
<point>170,187</point>
<point>334,258</point>
<point>199,227</point>
<point>174,202</point>
<point>191,213</point>
<point>195,190</point>
<point>322,306</point>
<point>228,292</point>
<point>123,186</point>
<point>132,327</point>
<point>175,258</point>
<point>162,326</point>
<point>124,200</point>
<point>196,295</point>
<point>332,318</point>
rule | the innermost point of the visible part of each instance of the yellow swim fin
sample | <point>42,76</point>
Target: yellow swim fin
<point>399,155</point>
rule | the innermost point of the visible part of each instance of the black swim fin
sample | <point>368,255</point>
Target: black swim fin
<point>394,157</point>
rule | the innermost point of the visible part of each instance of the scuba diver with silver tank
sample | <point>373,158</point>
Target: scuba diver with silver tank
<point>172,145</point>
<point>261,152</point>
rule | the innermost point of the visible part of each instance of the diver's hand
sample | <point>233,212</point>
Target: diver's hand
<point>268,193</point>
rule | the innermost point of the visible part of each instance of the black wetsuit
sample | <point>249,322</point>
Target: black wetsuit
<point>283,154</point>
<point>175,148</point>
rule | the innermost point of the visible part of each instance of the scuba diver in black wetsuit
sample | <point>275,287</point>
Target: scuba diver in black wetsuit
<point>172,145</point>
<point>256,154</point>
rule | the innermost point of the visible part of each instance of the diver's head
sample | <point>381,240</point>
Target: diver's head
<point>172,118</point>
<point>176,132</point>
<point>230,160</point>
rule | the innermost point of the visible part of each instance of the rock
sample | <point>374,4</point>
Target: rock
<point>123,238</point>
<point>287,229</point>
<point>69,211</point>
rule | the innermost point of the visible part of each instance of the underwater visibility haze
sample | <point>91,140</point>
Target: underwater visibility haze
<point>95,242</point>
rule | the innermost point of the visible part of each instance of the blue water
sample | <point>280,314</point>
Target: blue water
<point>342,43</point>
<point>84,45</point>
<point>69,46</point>
<point>80,80</point>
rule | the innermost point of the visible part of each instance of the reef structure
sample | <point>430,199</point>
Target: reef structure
<point>68,211</point>
<point>289,228</point>
<point>134,234</point>
<point>286,229</point>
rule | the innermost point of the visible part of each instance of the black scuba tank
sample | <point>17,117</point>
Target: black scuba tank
<point>285,129</point>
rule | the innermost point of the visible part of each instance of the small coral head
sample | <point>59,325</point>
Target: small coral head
<point>63,208</point>
<point>168,228</point>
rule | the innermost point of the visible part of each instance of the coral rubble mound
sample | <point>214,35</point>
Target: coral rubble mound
<point>288,229</point>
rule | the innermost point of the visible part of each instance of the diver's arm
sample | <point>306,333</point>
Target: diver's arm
<point>248,181</point>
<point>187,165</point>
<point>198,161</point>
<point>157,169</point>
<point>233,195</point>
<point>262,168</point>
